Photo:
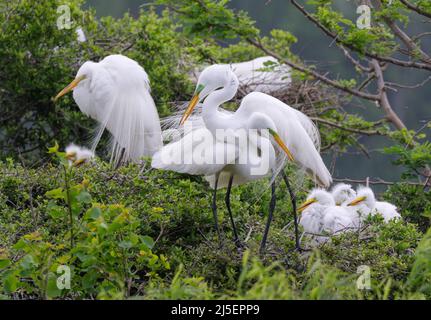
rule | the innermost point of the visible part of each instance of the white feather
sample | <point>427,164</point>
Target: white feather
<point>116,93</point>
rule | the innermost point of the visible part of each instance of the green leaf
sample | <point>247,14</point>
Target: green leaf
<point>93,213</point>
<point>148,242</point>
<point>54,149</point>
<point>52,290</point>
<point>10,283</point>
<point>56,194</point>
<point>4,263</point>
<point>55,211</point>
<point>89,279</point>
<point>84,197</point>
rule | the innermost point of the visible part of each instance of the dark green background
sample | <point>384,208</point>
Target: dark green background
<point>412,106</point>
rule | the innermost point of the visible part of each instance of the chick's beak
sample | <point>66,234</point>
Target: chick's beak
<point>306,204</point>
<point>69,88</point>
<point>71,156</point>
<point>356,201</point>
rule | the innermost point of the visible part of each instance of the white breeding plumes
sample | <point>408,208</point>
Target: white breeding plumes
<point>116,93</point>
<point>78,155</point>
<point>366,205</point>
<point>263,74</point>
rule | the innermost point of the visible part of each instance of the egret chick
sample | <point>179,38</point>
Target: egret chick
<point>78,155</point>
<point>321,215</point>
<point>367,205</point>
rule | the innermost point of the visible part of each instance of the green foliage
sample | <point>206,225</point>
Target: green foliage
<point>414,202</point>
<point>414,156</point>
<point>420,277</point>
<point>106,253</point>
<point>36,57</point>
<point>38,60</point>
<point>114,256</point>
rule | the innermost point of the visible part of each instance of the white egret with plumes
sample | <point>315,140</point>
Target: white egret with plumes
<point>116,93</point>
<point>218,84</point>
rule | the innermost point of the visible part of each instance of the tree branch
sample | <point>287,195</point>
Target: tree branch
<point>384,100</point>
<point>408,42</point>
<point>416,9</point>
<point>315,74</point>
<point>375,182</point>
<point>352,130</point>
<point>335,37</point>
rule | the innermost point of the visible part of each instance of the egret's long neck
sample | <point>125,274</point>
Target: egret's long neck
<point>214,119</point>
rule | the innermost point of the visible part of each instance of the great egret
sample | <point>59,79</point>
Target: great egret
<point>263,74</point>
<point>321,215</point>
<point>367,205</point>
<point>78,155</point>
<point>258,153</point>
<point>218,84</point>
<point>116,93</point>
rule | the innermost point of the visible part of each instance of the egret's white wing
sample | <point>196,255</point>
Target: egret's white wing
<point>312,220</point>
<point>254,75</point>
<point>197,153</point>
<point>292,131</point>
<point>387,210</point>
<point>337,220</point>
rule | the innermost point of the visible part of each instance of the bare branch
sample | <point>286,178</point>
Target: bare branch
<point>354,61</point>
<point>409,43</point>
<point>402,63</point>
<point>416,9</point>
<point>352,130</point>
<point>421,35</point>
<point>315,74</point>
<point>402,86</point>
<point>378,181</point>
<point>384,100</point>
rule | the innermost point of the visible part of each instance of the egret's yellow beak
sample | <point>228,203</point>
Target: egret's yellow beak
<point>281,144</point>
<point>195,100</point>
<point>69,88</point>
<point>306,204</point>
<point>79,162</point>
<point>71,156</point>
<point>356,201</point>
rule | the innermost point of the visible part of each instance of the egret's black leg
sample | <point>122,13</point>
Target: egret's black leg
<point>120,159</point>
<point>270,216</point>
<point>214,207</point>
<point>227,201</point>
<point>295,216</point>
